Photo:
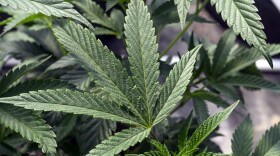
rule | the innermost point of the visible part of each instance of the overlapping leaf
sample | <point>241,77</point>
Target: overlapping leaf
<point>242,16</point>
<point>29,125</point>
<point>183,7</point>
<point>143,56</point>
<point>120,141</point>
<point>58,8</point>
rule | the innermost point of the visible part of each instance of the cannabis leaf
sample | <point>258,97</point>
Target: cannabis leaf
<point>268,141</point>
<point>200,109</point>
<point>58,8</point>
<point>183,133</point>
<point>143,56</point>
<point>242,16</point>
<point>120,141</point>
<point>208,126</point>
<point>29,125</point>
<point>242,141</point>
<point>175,85</point>
<point>183,7</point>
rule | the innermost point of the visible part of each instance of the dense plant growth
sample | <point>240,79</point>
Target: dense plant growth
<point>73,96</point>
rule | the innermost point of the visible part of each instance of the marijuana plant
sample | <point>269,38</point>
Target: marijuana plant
<point>125,95</point>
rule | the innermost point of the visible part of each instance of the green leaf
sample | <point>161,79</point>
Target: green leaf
<point>58,8</point>
<point>65,127</point>
<point>242,140</point>
<point>120,141</point>
<point>213,154</point>
<point>8,80</point>
<point>211,97</point>
<point>110,4</point>
<point>183,7</point>
<point>242,16</point>
<point>19,19</point>
<point>91,132</point>
<point>107,71</point>
<point>29,125</point>
<point>94,13</point>
<point>71,102</point>
<point>247,58</point>
<point>183,133</point>
<point>208,126</point>
<point>274,151</point>
<point>250,81</point>
<point>222,51</point>
<point>161,148</point>
<point>6,149</point>
<point>200,109</point>
<point>142,55</point>
<point>151,153</point>
<point>175,85</point>
<point>269,140</point>
<point>35,85</point>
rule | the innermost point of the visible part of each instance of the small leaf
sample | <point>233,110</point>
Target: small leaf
<point>268,141</point>
<point>200,109</point>
<point>208,126</point>
<point>183,7</point>
<point>183,133</point>
<point>242,140</point>
<point>161,148</point>
<point>120,141</point>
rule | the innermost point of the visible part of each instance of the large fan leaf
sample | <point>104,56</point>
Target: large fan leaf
<point>58,8</point>
<point>71,102</point>
<point>175,85</point>
<point>8,80</point>
<point>251,81</point>
<point>183,7</point>
<point>242,141</point>
<point>120,141</point>
<point>99,61</point>
<point>268,141</point>
<point>142,51</point>
<point>29,125</point>
<point>208,126</point>
<point>242,16</point>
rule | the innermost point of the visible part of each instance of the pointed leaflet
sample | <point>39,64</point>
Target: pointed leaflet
<point>58,8</point>
<point>175,85</point>
<point>274,150</point>
<point>222,51</point>
<point>71,102</point>
<point>183,7</point>
<point>162,148</point>
<point>91,132</point>
<point>142,53</point>
<point>242,140</point>
<point>268,141</point>
<point>120,141</point>
<point>200,109</point>
<point>29,125</point>
<point>211,97</point>
<point>183,133</point>
<point>8,80</point>
<point>208,126</point>
<point>99,62</point>
<point>242,16</point>
<point>250,81</point>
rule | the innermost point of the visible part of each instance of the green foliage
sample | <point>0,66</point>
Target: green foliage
<point>130,92</point>
<point>57,8</point>
<point>242,16</point>
<point>242,140</point>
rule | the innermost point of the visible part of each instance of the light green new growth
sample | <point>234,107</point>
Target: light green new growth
<point>241,15</point>
<point>58,8</point>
